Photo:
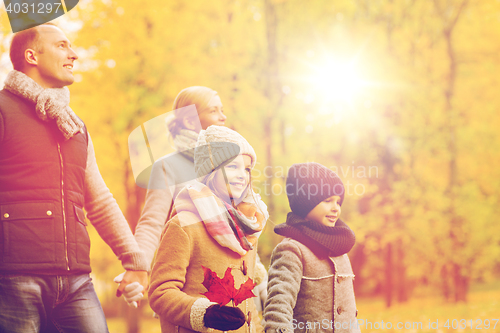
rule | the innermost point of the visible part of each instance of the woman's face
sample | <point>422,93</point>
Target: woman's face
<point>238,177</point>
<point>213,114</point>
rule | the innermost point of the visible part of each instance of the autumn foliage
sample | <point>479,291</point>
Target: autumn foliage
<point>222,291</point>
<point>417,146</point>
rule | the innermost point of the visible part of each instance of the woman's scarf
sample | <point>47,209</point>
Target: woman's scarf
<point>236,229</point>
<point>51,103</point>
<point>335,241</point>
<point>185,142</point>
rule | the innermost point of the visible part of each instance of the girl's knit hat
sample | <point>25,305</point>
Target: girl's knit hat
<point>217,145</point>
<point>308,184</point>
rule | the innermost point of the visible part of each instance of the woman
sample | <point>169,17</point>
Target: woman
<point>195,108</point>
<point>174,171</point>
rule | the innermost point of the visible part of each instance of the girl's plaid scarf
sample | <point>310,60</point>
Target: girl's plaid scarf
<point>236,229</point>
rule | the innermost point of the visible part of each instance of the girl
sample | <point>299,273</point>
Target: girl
<point>215,225</point>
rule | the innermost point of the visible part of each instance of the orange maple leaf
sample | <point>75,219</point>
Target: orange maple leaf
<point>222,291</point>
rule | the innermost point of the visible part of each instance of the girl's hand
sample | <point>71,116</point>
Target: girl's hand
<point>224,318</point>
<point>132,292</point>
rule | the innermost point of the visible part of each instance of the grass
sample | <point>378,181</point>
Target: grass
<point>483,303</point>
<point>147,325</point>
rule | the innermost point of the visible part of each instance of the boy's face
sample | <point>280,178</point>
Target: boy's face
<point>327,212</point>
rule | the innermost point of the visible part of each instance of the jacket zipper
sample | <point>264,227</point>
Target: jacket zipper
<point>63,208</point>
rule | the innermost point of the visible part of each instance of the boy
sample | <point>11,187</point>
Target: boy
<point>310,279</point>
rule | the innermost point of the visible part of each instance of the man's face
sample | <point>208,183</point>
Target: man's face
<point>55,58</point>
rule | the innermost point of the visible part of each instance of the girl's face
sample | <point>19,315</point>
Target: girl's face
<point>213,114</point>
<point>238,177</point>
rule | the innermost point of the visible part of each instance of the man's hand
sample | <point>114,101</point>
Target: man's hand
<point>133,285</point>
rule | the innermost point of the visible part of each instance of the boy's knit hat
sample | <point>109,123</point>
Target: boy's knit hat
<point>308,184</point>
<point>217,145</point>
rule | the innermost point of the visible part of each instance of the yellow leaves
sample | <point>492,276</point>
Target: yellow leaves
<point>4,21</point>
<point>139,55</point>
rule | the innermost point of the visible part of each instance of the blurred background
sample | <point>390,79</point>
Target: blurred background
<point>400,98</point>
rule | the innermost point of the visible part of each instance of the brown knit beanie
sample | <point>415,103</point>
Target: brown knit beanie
<point>308,184</point>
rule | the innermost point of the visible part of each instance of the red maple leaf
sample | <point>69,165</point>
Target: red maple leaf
<point>222,291</point>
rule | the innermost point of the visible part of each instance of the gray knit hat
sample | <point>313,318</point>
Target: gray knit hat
<point>217,145</point>
<point>308,184</point>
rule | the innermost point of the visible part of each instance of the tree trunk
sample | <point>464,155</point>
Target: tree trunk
<point>358,260</point>
<point>445,286</point>
<point>460,283</point>
<point>388,275</point>
<point>135,200</point>
<point>133,319</point>
<point>273,95</point>
<point>402,288</point>
<point>135,197</point>
<point>271,23</point>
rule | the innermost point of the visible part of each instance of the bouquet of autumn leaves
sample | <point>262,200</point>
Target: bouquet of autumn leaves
<point>222,291</point>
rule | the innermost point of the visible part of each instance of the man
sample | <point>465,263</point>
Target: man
<point>48,174</point>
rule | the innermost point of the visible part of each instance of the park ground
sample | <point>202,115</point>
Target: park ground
<point>482,310</point>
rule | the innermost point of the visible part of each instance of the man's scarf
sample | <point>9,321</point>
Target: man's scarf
<point>51,103</point>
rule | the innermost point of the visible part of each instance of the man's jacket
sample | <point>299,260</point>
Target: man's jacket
<point>42,224</point>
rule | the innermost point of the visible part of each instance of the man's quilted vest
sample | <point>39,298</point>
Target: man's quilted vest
<point>42,224</point>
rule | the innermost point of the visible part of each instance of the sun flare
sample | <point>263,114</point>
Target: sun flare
<point>338,81</point>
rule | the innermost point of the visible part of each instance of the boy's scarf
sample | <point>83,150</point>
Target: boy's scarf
<point>51,103</point>
<point>335,241</point>
<point>235,229</point>
<point>185,142</point>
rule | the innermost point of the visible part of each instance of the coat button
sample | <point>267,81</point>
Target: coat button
<point>356,314</point>
<point>49,213</point>
<point>6,215</point>
<point>339,310</point>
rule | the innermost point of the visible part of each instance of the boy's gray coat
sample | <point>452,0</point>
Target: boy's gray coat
<point>309,294</point>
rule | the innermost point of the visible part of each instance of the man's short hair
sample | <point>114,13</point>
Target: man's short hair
<point>22,40</point>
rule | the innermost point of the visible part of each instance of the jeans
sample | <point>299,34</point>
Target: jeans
<point>48,303</point>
